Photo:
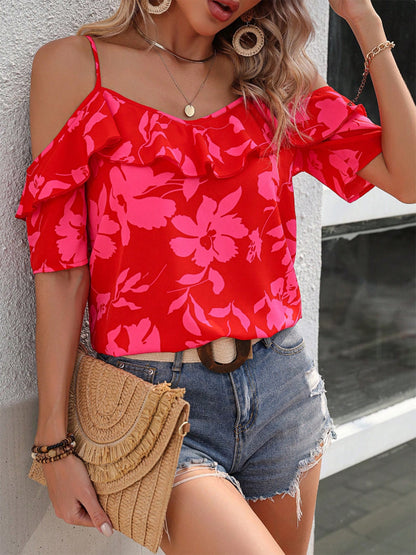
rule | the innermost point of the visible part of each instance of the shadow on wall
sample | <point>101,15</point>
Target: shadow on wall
<point>28,525</point>
<point>23,504</point>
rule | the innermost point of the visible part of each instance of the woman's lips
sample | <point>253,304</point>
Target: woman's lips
<point>222,11</point>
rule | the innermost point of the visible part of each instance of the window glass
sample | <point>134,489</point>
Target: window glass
<point>367,337</point>
<point>345,59</point>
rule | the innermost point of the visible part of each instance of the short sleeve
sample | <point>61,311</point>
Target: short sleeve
<point>56,232</point>
<point>53,202</point>
<point>339,140</point>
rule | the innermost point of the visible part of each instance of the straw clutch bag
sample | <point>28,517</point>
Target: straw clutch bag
<point>129,433</point>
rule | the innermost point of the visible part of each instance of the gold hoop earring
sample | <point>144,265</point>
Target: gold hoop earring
<point>159,9</point>
<point>248,29</point>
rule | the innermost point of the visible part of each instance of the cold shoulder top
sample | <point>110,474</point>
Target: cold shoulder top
<point>188,227</point>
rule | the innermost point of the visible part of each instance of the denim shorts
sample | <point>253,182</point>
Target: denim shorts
<point>261,426</point>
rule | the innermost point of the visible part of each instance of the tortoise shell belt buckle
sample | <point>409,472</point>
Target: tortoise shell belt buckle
<point>206,356</point>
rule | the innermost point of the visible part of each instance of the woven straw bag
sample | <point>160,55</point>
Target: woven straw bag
<point>129,434</point>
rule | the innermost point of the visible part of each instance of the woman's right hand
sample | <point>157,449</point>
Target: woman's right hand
<point>73,496</point>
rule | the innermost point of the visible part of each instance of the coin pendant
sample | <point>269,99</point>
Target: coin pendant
<point>189,110</point>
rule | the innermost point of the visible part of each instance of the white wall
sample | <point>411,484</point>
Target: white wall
<point>28,525</point>
<point>375,204</point>
<point>308,195</point>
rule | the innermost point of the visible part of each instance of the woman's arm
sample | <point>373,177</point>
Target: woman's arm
<point>60,302</point>
<point>59,79</point>
<point>394,170</point>
<point>61,75</point>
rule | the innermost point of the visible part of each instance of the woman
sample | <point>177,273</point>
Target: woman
<point>162,199</point>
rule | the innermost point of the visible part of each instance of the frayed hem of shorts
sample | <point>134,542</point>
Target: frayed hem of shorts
<point>214,471</point>
<point>190,464</point>
<point>304,465</point>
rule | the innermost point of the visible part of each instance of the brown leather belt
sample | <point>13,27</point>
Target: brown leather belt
<point>206,355</point>
<point>224,347</point>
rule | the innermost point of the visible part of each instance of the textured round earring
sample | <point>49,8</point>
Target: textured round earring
<point>248,29</point>
<point>160,8</point>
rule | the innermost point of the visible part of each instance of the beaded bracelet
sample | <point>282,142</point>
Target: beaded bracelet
<point>46,460</point>
<point>45,448</point>
<point>55,454</point>
<point>368,59</point>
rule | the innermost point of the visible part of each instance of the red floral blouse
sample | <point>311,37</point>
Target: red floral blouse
<point>188,227</point>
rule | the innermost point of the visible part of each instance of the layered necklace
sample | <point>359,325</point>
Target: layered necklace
<point>189,108</point>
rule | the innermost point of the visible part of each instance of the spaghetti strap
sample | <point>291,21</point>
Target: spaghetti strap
<point>97,62</point>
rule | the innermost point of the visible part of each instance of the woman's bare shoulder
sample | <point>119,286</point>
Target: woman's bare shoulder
<point>63,74</point>
<point>318,82</point>
<point>64,60</point>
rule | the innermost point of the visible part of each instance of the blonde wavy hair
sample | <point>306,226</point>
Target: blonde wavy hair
<point>281,75</point>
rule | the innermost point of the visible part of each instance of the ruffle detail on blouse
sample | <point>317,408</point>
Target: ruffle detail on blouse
<point>195,148</point>
<point>63,165</point>
<point>325,113</point>
<point>339,141</point>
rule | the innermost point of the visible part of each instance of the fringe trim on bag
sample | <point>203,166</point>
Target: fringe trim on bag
<point>106,463</point>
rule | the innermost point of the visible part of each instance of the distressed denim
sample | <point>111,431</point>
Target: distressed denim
<point>261,426</point>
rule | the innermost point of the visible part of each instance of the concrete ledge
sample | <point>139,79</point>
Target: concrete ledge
<point>370,435</point>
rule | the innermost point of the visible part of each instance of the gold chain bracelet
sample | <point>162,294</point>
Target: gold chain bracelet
<point>388,45</point>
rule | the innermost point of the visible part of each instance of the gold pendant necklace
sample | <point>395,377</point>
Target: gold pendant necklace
<point>189,108</point>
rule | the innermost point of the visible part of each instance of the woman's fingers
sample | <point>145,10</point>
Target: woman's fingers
<point>77,515</point>
<point>83,518</point>
<point>73,495</point>
<point>96,513</point>
<point>88,513</point>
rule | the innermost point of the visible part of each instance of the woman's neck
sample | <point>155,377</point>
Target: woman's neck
<point>173,31</point>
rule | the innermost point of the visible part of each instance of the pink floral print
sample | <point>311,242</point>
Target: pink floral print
<point>212,235</point>
<point>188,227</point>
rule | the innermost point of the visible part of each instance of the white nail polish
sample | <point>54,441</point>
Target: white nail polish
<point>106,529</point>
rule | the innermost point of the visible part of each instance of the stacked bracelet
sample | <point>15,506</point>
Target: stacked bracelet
<point>51,453</point>
<point>54,455</point>
<point>388,45</point>
<point>45,448</point>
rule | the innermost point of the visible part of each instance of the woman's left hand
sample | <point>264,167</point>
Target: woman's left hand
<point>353,11</point>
